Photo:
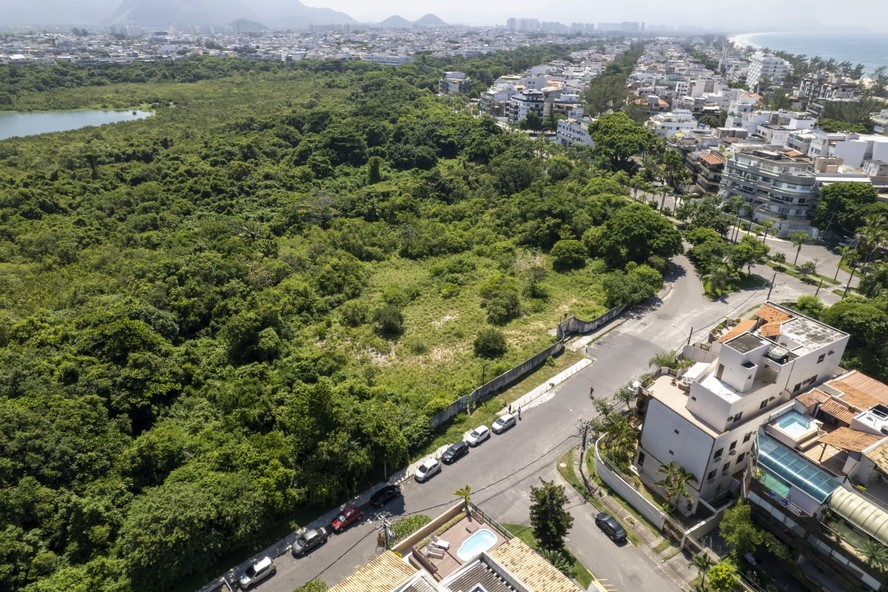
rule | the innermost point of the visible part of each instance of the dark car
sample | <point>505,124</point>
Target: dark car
<point>384,495</point>
<point>455,452</point>
<point>346,518</point>
<point>308,540</point>
<point>609,525</point>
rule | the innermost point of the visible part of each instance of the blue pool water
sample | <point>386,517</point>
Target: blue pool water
<point>794,424</point>
<point>477,543</point>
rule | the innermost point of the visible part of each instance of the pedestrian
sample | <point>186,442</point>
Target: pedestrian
<point>592,392</point>
<point>519,414</point>
<point>510,408</point>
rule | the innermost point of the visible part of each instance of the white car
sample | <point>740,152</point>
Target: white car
<point>428,469</point>
<point>264,568</point>
<point>504,423</point>
<point>478,435</point>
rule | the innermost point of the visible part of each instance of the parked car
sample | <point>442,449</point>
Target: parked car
<point>503,423</point>
<point>384,495</point>
<point>455,452</point>
<point>478,435</point>
<point>609,525</point>
<point>259,571</point>
<point>428,469</point>
<point>308,540</point>
<point>346,518</point>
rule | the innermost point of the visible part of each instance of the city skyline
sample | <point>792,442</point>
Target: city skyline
<point>745,17</point>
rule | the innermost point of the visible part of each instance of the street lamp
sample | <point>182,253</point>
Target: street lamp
<point>751,217</point>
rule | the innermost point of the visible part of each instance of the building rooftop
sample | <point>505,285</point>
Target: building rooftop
<point>383,573</point>
<point>794,469</point>
<point>676,399</point>
<point>856,383</point>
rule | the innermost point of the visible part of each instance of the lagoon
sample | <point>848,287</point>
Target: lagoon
<point>31,124</point>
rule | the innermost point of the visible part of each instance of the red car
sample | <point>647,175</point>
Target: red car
<point>346,518</point>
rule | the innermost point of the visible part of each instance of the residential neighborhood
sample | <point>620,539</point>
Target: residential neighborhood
<point>371,310</point>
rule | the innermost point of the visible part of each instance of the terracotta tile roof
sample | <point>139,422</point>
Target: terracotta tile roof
<point>713,158</point>
<point>773,318</point>
<point>813,397</point>
<point>879,455</point>
<point>848,439</point>
<point>840,411</point>
<point>383,573</point>
<point>531,569</point>
<point>738,329</point>
<point>858,383</point>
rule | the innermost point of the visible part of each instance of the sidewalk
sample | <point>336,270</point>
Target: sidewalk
<point>659,549</point>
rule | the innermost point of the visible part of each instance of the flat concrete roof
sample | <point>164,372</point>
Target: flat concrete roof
<point>676,399</point>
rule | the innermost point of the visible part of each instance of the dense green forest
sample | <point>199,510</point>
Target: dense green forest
<point>244,305</point>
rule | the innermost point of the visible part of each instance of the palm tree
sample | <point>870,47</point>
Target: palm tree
<point>845,254</point>
<point>627,395</point>
<point>875,554</point>
<point>798,238</point>
<point>620,439</point>
<point>675,481</point>
<point>702,562</point>
<point>720,277</point>
<point>466,494</point>
<point>873,235</point>
<point>735,204</point>
<point>558,560</point>
<point>767,225</point>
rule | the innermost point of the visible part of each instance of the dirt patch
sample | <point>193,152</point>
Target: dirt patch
<point>380,358</point>
<point>438,323</point>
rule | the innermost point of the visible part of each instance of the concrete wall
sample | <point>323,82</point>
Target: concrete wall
<point>574,326</point>
<point>642,505</point>
<point>429,528</point>
<point>501,382</point>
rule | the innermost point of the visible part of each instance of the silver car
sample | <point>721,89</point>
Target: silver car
<point>478,435</point>
<point>262,569</point>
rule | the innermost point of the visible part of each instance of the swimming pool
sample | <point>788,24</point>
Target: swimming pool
<point>794,424</point>
<point>477,543</point>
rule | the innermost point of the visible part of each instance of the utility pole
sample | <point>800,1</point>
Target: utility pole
<point>773,279</point>
<point>384,531</point>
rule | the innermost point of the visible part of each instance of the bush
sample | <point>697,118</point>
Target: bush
<point>388,321</point>
<point>568,254</point>
<point>404,527</point>
<point>490,344</point>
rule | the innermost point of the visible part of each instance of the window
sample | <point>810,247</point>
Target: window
<point>796,388</point>
<point>718,453</point>
<point>763,404</point>
<point>820,358</point>
<point>693,398</point>
<point>733,445</point>
<point>710,476</point>
<point>672,453</point>
<point>641,459</point>
<point>725,468</point>
<point>738,416</point>
<point>676,432</point>
<point>747,437</point>
<point>740,457</point>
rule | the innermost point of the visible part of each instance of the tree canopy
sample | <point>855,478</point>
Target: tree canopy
<point>842,207</point>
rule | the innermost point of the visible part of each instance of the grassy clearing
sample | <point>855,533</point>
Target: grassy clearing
<point>577,569</point>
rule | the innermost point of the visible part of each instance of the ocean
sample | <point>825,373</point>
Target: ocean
<point>869,49</point>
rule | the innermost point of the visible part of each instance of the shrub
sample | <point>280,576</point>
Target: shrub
<point>490,344</point>
<point>404,527</point>
<point>388,321</point>
<point>568,254</point>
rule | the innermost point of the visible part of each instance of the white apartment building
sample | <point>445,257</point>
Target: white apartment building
<point>768,67</point>
<point>778,185</point>
<point>859,148</point>
<point>666,125</point>
<point>523,103</point>
<point>573,131</point>
<point>708,422</point>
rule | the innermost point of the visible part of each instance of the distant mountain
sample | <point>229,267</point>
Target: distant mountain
<point>430,20</point>
<point>395,22</point>
<point>291,14</point>
<point>247,26</point>
<point>399,22</point>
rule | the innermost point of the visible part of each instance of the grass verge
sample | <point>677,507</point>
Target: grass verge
<point>578,571</point>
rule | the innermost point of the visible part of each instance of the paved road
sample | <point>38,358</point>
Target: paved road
<point>502,470</point>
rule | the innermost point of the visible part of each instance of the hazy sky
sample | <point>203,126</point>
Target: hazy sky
<point>728,15</point>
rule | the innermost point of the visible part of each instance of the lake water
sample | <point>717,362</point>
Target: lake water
<point>31,124</point>
<point>869,49</point>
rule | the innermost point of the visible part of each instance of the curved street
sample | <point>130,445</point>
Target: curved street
<point>502,470</point>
